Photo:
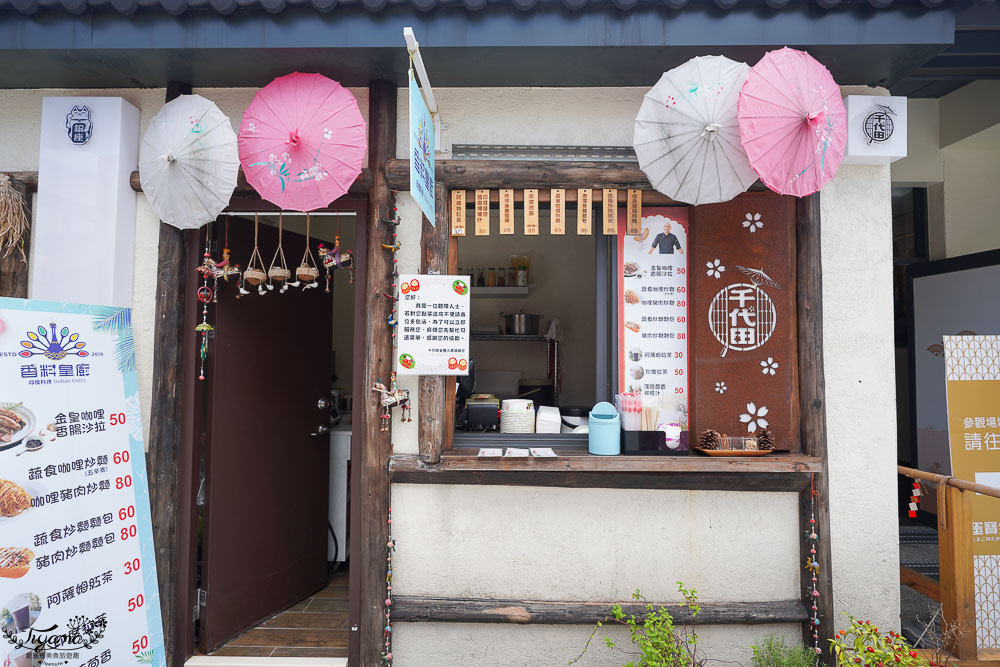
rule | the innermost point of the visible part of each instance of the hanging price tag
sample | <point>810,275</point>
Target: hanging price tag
<point>584,201</point>
<point>458,212</point>
<point>531,212</point>
<point>557,204</point>
<point>482,212</point>
<point>506,211</point>
<point>610,211</point>
<point>634,213</point>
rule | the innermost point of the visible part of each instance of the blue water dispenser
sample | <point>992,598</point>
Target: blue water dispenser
<point>605,428</point>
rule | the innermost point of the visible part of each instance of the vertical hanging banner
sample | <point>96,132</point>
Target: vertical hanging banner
<point>458,212</point>
<point>421,152</point>
<point>610,211</point>
<point>972,385</point>
<point>557,219</point>
<point>633,222</point>
<point>653,306</point>
<point>531,212</point>
<point>584,214</point>
<point>77,566</point>
<point>482,212</point>
<point>506,211</point>
<point>433,336</point>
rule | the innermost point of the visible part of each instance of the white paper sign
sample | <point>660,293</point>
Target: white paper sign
<point>433,329</point>
<point>77,566</point>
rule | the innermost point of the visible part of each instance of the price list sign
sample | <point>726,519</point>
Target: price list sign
<point>78,580</point>
<point>653,304</point>
<point>433,331</point>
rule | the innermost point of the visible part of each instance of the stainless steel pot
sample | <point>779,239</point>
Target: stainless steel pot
<point>521,324</point>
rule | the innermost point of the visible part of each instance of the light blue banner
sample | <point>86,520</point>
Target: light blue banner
<point>421,152</point>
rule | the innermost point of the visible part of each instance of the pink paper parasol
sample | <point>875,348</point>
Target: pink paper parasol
<point>302,141</point>
<point>793,124</point>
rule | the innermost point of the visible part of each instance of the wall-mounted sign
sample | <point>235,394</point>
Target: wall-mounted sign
<point>77,563</point>
<point>433,330</point>
<point>531,212</point>
<point>79,125</point>
<point>458,212</point>
<point>877,129</point>
<point>421,152</point>
<point>557,202</point>
<point>972,381</point>
<point>653,304</point>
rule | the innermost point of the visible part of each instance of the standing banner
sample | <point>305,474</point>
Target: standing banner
<point>433,330</point>
<point>421,152</point>
<point>653,305</point>
<point>77,566</point>
<point>972,384</point>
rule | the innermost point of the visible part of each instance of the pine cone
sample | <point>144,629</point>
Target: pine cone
<point>709,439</point>
<point>765,440</point>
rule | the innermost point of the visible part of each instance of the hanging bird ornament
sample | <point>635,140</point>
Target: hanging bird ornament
<point>334,259</point>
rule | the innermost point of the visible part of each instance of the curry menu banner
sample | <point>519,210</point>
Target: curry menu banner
<point>653,304</point>
<point>432,333</point>
<point>77,569</point>
<point>972,384</point>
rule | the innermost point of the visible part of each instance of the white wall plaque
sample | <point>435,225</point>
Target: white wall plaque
<point>876,129</point>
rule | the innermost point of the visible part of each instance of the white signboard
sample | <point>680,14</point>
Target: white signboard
<point>653,305</point>
<point>876,129</point>
<point>433,327</point>
<point>77,568</point>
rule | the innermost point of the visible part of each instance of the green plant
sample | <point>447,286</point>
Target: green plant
<point>863,644</point>
<point>658,642</point>
<point>773,652</point>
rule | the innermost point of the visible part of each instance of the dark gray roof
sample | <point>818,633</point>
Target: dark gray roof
<point>177,7</point>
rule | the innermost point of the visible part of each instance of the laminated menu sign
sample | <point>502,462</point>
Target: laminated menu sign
<point>432,333</point>
<point>652,304</point>
<point>78,580</point>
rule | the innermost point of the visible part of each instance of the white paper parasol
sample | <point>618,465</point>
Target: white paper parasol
<point>189,161</point>
<point>687,136</point>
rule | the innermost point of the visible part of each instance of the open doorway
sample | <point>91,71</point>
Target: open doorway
<point>274,534</point>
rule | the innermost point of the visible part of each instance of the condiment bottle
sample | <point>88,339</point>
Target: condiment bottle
<point>511,276</point>
<point>501,278</point>
<point>491,278</point>
<point>481,278</point>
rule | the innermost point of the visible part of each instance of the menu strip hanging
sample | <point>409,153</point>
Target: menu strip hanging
<point>531,212</point>
<point>557,202</point>
<point>458,212</point>
<point>584,200</point>
<point>506,211</point>
<point>634,213</point>
<point>482,212</point>
<point>611,211</point>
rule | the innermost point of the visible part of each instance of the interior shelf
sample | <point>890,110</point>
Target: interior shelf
<point>510,292</point>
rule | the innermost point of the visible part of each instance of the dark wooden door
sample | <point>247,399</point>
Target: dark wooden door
<point>265,527</point>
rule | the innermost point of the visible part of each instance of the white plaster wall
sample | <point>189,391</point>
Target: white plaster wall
<point>495,645</point>
<point>19,145</point>
<point>971,196</point>
<point>860,392</point>
<point>600,544</point>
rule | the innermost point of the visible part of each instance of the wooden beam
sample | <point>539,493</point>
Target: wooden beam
<point>921,583</point>
<point>14,268</point>
<point>494,174</point>
<point>373,493</point>
<point>812,408</point>
<point>165,428</point>
<point>431,420</point>
<point>958,588</point>
<point>416,609</point>
<point>788,472</point>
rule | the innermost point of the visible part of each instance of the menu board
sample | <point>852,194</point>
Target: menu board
<point>433,329</point>
<point>77,567</point>
<point>653,304</point>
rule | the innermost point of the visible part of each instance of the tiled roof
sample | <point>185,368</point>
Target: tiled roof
<point>177,7</point>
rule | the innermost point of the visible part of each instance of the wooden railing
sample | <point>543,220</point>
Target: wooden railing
<point>955,590</point>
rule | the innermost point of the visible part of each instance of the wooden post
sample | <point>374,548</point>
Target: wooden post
<point>431,418</point>
<point>14,270</point>
<point>373,493</point>
<point>165,427</point>
<point>958,588</point>
<point>812,404</point>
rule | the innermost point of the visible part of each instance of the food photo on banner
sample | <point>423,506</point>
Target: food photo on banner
<point>78,582</point>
